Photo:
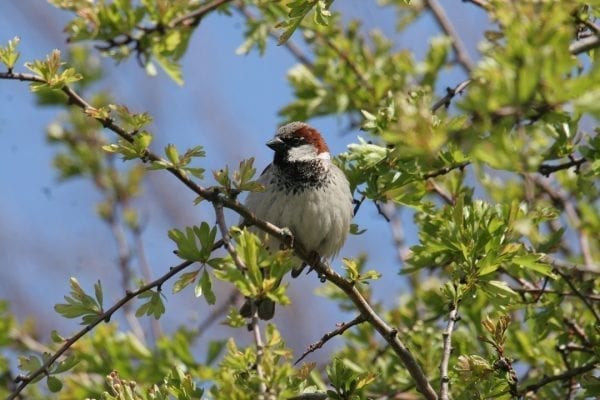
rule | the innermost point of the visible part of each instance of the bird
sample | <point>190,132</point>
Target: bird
<point>304,192</point>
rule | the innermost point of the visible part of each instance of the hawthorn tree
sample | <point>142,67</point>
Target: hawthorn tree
<point>502,297</point>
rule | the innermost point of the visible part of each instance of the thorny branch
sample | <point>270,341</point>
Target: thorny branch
<point>341,328</point>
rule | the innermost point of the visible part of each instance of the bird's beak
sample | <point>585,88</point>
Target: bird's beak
<point>275,144</point>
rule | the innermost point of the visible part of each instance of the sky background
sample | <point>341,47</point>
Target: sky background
<point>49,230</point>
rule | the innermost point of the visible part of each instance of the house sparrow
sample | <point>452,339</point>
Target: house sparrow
<point>305,193</point>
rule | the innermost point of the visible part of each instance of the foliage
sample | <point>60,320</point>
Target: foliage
<point>503,183</point>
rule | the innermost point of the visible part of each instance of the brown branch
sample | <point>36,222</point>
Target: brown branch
<point>546,170</point>
<point>562,200</point>
<point>462,55</point>
<point>585,44</point>
<point>567,375</point>
<point>341,328</point>
<point>591,297</point>
<point>188,20</point>
<point>576,48</point>
<point>450,93</point>
<point>193,18</point>
<point>447,338</point>
<point>583,298</point>
<point>215,196</point>
<point>146,274</point>
<point>445,170</point>
<point>254,325</point>
<point>216,313</point>
<point>292,48</point>
<point>440,191</point>
<point>23,381</point>
<point>479,3</point>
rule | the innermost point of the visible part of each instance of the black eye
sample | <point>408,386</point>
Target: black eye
<point>294,141</point>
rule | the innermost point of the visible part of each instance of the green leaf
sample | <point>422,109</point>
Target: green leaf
<point>9,54</point>
<point>172,154</point>
<point>66,364</point>
<point>54,384</point>
<point>185,280</point>
<point>532,261</point>
<point>29,364</point>
<point>204,286</point>
<point>153,307</point>
<point>215,348</point>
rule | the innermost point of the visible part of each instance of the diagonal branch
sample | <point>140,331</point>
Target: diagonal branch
<point>23,381</point>
<point>577,293</point>
<point>450,93</point>
<point>341,328</point>
<point>462,55</point>
<point>560,377</point>
<point>214,195</point>
<point>135,38</point>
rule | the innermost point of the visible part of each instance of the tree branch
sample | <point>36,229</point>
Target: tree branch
<point>462,55</point>
<point>583,298</point>
<point>447,338</point>
<point>585,44</point>
<point>104,317</point>
<point>214,195</point>
<point>546,170</point>
<point>560,377</point>
<point>450,93</point>
<point>341,328</point>
<point>188,20</point>
<point>288,44</point>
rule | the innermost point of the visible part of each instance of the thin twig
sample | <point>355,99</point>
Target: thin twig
<point>576,48</point>
<point>585,44</point>
<point>445,170</point>
<point>254,325</point>
<point>136,37</point>
<point>194,17</point>
<point>479,3</point>
<point>214,195</point>
<point>591,297</point>
<point>462,55</point>
<point>291,46</point>
<point>447,338</point>
<point>341,328</point>
<point>146,274</point>
<point>583,298</point>
<point>259,353</point>
<point>560,377</point>
<point>578,331</point>
<point>441,192</point>
<point>389,209</point>
<point>450,93</point>
<point>216,313</point>
<point>562,200</point>
<point>546,170</point>
<point>103,317</point>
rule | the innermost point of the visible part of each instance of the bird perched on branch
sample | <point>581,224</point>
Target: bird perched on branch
<point>305,193</point>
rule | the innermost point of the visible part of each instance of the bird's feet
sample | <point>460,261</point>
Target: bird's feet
<point>287,239</point>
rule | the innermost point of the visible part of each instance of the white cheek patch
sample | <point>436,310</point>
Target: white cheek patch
<point>324,156</point>
<point>306,152</point>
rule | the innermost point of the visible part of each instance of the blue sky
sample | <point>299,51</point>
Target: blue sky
<point>49,230</point>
